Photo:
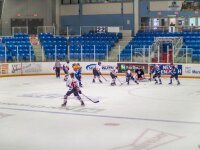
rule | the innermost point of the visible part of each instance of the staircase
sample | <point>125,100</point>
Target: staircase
<point>113,55</point>
<point>38,53</point>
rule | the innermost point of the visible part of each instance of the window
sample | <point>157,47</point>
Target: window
<point>64,2</point>
<point>91,1</point>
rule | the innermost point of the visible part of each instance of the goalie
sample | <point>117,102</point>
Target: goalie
<point>139,73</point>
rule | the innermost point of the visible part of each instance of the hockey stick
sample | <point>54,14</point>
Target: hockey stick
<point>119,81</point>
<point>123,83</point>
<point>104,78</point>
<point>90,99</point>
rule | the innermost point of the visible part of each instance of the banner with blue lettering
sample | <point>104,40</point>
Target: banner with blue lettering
<point>166,68</point>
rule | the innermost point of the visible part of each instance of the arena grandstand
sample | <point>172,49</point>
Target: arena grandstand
<point>113,34</point>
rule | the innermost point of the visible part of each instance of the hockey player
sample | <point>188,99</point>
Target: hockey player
<point>66,69</point>
<point>78,71</point>
<point>139,73</point>
<point>97,72</point>
<point>129,77</point>
<point>157,74</point>
<point>113,75</point>
<point>174,74</point>
<point>73,89</point>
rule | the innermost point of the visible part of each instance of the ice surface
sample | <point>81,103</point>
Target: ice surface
<point>128,117</point>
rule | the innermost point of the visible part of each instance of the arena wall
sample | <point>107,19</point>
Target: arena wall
<point>26,8</point>
<point>46,68</point>
<point>99,14</point>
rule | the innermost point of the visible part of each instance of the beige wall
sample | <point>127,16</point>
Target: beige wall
<point>163,5</point>
<point>67,10</point>
<point>106,8</point>
<point>128,8</point>
<point>96,9</point>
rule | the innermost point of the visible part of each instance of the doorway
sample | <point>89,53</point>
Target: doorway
<point>33,24</point>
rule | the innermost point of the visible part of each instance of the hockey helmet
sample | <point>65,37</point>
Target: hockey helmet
<point>172,65</point>
<point>156,66</point>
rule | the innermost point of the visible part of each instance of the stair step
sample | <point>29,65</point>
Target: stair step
<point>38,52</point>
<point>113,56</point>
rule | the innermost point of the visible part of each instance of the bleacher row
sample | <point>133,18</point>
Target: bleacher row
<point>54,46</point>
<point>90,45</point>
<point>146,39</point>
<point>93,45</point>
<point>17,47</point>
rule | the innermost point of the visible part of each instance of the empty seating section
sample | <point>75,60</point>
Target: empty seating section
<point>18,47</point>
<point>54,46</point>
<point>141,40</point>
<point>146,39</point>
<point>3,54</point>
<point>92,45</point>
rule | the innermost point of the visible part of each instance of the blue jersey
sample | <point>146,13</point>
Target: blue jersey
<point>174,71</point>
<point>78,73</point>
<point>156,71</point>
<point>128,75</point>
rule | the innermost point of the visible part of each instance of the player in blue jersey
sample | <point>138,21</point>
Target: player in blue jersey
<point>174,74</point>
<point>78,71</point>
<point>156,74</point>
<point>129,77</point>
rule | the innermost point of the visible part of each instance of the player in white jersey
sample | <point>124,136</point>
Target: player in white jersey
<point>66,69</point>
<point>72,83</point>
<point>113,74</point>
<point>97,72</point>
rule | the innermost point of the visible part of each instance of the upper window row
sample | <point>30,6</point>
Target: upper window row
<point>91,1</point>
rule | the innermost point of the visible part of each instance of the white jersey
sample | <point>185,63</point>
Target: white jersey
<point>66,67</point>
<point>72,84</point>
<point>98,68</point>
<point>69,66</point>
<point>114,71</point>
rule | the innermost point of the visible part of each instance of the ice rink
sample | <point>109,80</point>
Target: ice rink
<point>134,117</point>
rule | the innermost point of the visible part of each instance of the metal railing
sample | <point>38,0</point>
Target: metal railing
<point>143,55</point>
<point>166,28</point>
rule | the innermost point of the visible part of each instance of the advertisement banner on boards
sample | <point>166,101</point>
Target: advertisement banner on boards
<point>191,70</point>
<point>25,68</point>
<point>87,67</point>
<point>166,68</point>
<point>106,66</point>
<point>123,67</point>
<point>4,69</point>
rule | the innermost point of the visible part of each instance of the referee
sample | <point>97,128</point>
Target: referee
<point>57,68</point>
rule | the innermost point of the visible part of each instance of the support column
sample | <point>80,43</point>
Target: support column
<point>136,16</point>
<point>57,16</point>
